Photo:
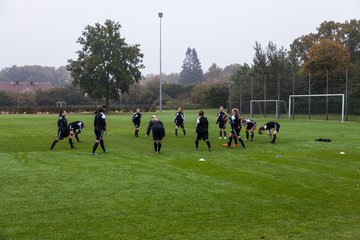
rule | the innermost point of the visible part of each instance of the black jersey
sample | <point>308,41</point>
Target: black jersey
<point>272,125</point>
<point>179,118</point>
<point>99,121</point>
<point>77,125</point>
<point>235,122</point>
<point>202,125</point>
<point>155,125</point>
<point>157,128</point>
<point>62,124</point>
<point>136,118</point>
<point>219,119</point>
<point>248,122</point>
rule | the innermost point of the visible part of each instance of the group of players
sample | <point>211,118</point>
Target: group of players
<point>158,131</point>
<point>66,130</point>
<point>202,128</point>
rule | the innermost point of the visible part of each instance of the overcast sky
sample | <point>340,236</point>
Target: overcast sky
<point>44,32</point>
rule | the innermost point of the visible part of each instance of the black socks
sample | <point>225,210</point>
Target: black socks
<point>157,147</point>
<point>53,144</point>
<point>102,145</point>
<point>95,147</point>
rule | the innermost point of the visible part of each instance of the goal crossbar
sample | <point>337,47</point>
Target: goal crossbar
<point>321,95</point>
<point>270,100</point>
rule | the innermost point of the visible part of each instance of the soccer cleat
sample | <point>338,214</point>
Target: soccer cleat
<point>220,137</point>
<point>226,145</point>
<point>94,153</point>
<point>196,149</point>
<point>251,139</point>
<point>235,145</point>
<point>210,149</point>
<point>105,151</point>
<point>224,137</point>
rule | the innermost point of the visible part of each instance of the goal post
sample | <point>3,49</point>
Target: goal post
<point>292,97</point>
<point>278,103</point>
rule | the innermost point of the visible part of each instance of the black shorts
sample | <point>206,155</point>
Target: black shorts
<point>157,133</point>
<point>202,136</point>
<point>222,125</point>
<point>98,133</point>
<point>179,124</point>
<point>277,128</point>
<point>136,125</point>
<point>236,131</point>
<point>250,125</point>
<point>62,134</point>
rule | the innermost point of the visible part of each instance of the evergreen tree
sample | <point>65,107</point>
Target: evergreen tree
<point>191,69</point>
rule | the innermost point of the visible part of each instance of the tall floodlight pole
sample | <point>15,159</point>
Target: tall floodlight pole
<point>160,16</point>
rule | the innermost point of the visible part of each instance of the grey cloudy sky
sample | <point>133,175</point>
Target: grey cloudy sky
<point>44,32</point>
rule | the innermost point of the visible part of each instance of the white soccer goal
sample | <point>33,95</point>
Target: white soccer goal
<point>292,101</point>
<point>278,104</point>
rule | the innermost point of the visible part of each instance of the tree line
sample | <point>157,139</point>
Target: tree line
<point>109,69</point>
<point>56,76</point>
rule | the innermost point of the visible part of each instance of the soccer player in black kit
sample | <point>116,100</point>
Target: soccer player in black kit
<point>250,126</point>
<point>179,121</point>
<point>63,130</point>
<point>235,124</point>
<point>272,133</point>
<point>222,124</point>
<point>158,132</point>
<point>76,127</point>
<point>136,119</point>
<point>202,132</point>
<point>99,129</point>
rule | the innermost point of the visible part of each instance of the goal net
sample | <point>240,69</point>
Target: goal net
<point>317,106</point>
<point>268,107</point>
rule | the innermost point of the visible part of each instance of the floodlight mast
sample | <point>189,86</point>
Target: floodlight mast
<point>160,90</point>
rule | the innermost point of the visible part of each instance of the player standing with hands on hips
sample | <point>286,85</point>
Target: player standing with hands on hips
<point>221,122</point>
<point>99,129</point>
<point>179,121</point>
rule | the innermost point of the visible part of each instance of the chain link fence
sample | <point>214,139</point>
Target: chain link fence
<point>268,96</point>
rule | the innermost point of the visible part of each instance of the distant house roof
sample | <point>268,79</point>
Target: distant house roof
<point>24,87</point>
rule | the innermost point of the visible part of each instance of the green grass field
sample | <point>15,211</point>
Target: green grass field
<point>296,189</point>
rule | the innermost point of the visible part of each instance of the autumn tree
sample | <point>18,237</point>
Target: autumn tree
<point>347,33</point>
<point>327,55</point>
